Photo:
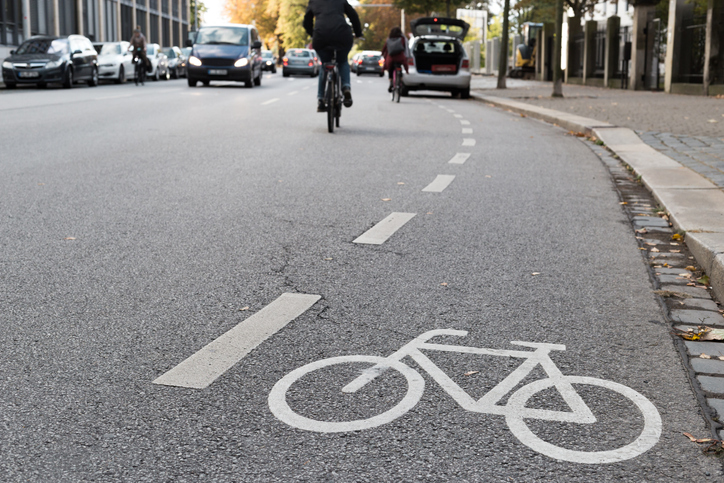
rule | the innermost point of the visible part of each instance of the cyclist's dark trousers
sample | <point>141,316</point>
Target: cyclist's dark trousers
<point>142,55</point>
<point>342,65</point>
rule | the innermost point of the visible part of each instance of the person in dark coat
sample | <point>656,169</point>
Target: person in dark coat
<point>392,61</point>
<point>331,31</point>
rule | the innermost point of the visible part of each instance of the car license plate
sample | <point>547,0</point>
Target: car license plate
<point>218,71</point>
<point>28,74</point>
<point>443,68</point>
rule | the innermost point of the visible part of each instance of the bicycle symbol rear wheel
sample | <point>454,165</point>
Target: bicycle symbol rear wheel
<point>280,408</point>
<point>645,441</point>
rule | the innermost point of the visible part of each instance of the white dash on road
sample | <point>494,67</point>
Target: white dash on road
<point>292,93</point>
<point>305,88</point>
<point>441,182</point>
<point>269,101</point>
<point>205,366</point>
<point>468,142</point>
<point>464,123</point>
<point>450,110</point>
<point>379,233</point>
<point>360,82</point>
<point>467,130</point>
<point>459,158</point>
<point>459,116</point>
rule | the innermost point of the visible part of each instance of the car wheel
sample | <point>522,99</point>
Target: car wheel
<point>156,75</point>
<point>274,70</point>
<point>465,93</point>
<point>174,73</point>
<point>404,91</point>
<point>192,82</point>
<point>93,81</point>
<point>10,85</point>
<point>41,85</point>
<point>382,74</point>
<point>121,76</point>
<point>206,83</point>
<point>257,79</point>
<point>68,81</point>
<point>285,74</point>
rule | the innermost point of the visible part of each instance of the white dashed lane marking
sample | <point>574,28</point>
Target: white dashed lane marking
<point>464,122</point>
<point>441,182</point>
<point>205,366</point>
<point>292,93</point>
<point>459,158</point>
<point>269,101</point>
<point>379,233</point>
<point>459,116</point>
<point>467,130</point>
<point>468,142</point>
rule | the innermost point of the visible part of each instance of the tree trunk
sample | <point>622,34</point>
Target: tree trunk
<point>503,63</point>
<point>558,46</point>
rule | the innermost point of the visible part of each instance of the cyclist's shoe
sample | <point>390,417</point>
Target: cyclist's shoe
<point>321,107</point>
<point>347,93</point>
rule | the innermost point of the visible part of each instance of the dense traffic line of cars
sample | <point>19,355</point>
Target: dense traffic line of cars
<point>437,59</point>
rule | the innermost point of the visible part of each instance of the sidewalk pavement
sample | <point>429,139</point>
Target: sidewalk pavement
<point>675,144</point>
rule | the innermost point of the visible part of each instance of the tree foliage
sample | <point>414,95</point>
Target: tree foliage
<point>377,23</point>
<point>202,9</point>
<point>263,13</point>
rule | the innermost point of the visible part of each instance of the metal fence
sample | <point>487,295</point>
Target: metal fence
<point>599,66</point>
<point>575,59</point>
<point>624,55</point>
<point>693,44</point>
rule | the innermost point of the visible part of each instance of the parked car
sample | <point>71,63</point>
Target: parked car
<point>230,52</point>
<point>269,62</point>
<point>438,61</point>
<point>353,62</point>
<point>300,61</point>
<point>159,63</point>
<point>370,62</point>
<point>42,60</point>
<point>176,62</point>
<point>115,61</point>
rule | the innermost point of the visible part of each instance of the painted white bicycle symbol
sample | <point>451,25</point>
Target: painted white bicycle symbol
<point>515,410</point>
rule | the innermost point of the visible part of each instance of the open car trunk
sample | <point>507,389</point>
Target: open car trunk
<point>437,56</point>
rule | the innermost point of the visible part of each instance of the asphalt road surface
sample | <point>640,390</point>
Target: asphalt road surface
<point>140,225</point>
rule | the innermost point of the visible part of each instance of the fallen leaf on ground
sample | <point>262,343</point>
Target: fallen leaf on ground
<point>655,249</point>
<point>70,238</point>
<point>696,440</point>
<point>675,251</point>
<point>623,203</point>
<point>676,236</point>
<point>704,356</point>
<point>690,268</point>
<point>429,213</point>
<point>642,231</point>
<point>670,293</point>
<point>642,248</point>
<point>244,308</point>
<point>704,280</point>
<point>386,199</point>
<point>488,176</point>
<point>649,243</point>
<point>400,182</point>
<point>701,333</point>
<point>444,284</point>
<point>328,258</point>
<point>470,373</point>
<point>674,244</point>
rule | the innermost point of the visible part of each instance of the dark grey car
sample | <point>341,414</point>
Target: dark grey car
<point>42,60</point>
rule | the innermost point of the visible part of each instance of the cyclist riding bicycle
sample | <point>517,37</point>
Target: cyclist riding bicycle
<point>332,33</point>
<point>138,47</point>
<point>395,53</point>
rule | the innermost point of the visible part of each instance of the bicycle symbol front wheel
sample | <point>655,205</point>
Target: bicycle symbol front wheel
<point>281,409</point>
<point>645,441</point>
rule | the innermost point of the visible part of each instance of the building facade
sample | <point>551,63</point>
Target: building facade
<point>165,22</point>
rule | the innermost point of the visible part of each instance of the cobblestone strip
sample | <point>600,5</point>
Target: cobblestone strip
<point>703,154</point>
<point>679,284</point>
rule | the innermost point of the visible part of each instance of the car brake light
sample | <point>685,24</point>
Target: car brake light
<point>466,64</point>
<point>381,62</point>
<point>311,64</point>
<point>285,61</point>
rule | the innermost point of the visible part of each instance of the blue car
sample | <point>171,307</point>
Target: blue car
<point>225,53</point>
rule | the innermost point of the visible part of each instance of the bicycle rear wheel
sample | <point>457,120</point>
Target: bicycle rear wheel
<point>331,101</point>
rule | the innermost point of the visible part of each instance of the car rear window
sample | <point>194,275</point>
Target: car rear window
<point>376,58</point>
<point>435,47</point>
<point>299,53</point>
<point>223,36</point>
<point>110,49</point>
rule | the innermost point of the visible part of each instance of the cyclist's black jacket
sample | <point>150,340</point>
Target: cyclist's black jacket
<point>330,28</point>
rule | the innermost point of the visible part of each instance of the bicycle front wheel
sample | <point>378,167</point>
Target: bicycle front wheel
<point>330,100</point>
<point>280,408</point>
<point>646,440</point>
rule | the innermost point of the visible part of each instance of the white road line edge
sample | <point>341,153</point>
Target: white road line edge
<point>379,233</point>
<point>459,158</point>
<point>269,101</point>
<point>459,116</point>
<point>464,123</point>
<point>441,182</point>
<point>292,93</point>
<point>206,365</point>
<point>468,142</point>
<point>467,130</point>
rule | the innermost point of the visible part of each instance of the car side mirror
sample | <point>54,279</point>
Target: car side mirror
<point>189,43</point>
<point>256,45</point>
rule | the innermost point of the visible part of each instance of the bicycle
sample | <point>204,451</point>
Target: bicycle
<point>514,410</point>
<point>140,68</point>
<point>396,83</point>
<point>332,92</point>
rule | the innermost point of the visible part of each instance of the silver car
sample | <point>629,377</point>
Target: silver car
<point>115,61</point>
<point>438,60</point>
<point>159,63</point>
